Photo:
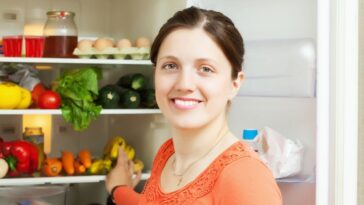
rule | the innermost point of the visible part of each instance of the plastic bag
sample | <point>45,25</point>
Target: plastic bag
<point>282,155</point>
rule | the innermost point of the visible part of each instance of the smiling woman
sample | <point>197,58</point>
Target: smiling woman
<point>198,56</point>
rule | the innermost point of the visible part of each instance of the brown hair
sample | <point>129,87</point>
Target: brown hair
<point>220,28</point>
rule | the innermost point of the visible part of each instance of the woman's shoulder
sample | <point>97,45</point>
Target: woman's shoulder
<point>164,152</point>
<point>247,179</point>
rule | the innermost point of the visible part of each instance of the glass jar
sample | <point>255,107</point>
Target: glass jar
<point>34,135</point>
<point>60,33</point>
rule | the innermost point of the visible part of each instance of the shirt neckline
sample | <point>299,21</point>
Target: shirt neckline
<point>170,149</point>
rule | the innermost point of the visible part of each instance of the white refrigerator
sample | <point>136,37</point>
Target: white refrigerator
<point>300,65</point>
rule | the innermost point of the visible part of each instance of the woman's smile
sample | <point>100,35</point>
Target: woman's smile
<point>185,103</point>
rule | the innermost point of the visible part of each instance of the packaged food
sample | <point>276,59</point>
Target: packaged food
<point>60,33</point>
<point>12,45</point>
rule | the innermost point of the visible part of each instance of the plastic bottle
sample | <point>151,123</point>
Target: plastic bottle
<point>251,137</point>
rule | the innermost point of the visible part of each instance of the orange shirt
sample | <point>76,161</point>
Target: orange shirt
<point>236,176</point>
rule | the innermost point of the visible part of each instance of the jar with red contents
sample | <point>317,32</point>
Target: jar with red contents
<point>61,35</point>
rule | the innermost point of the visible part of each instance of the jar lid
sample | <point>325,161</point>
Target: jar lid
<point>60,13</point>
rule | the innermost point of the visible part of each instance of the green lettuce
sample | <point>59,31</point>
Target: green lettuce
<point>78,90</point>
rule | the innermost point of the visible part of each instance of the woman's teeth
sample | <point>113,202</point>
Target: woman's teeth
<point>185,102</point>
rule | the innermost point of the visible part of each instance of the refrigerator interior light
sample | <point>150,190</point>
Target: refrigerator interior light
<point>43,121</point>
<point>33,29</point>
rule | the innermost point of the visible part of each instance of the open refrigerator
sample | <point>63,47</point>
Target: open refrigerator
<point>280,90</point>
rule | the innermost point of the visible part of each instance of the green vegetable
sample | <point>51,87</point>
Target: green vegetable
<point>129,98</point>
<point>109,97</point>
<point>78,90</point>
<point>148,98</point>
<point>135,81</point>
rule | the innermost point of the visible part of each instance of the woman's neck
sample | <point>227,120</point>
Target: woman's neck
<point>190,144</point>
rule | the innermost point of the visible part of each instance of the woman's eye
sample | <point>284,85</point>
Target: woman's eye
<point>206,69</point>
<point>169,66</point>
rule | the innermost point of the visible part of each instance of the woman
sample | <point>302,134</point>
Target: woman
<point>198,56</point>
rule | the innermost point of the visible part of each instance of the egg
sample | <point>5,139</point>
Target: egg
<point>103,43</point>
<point>142,42</point>
<point>84,45</point>
<point>123,43</point>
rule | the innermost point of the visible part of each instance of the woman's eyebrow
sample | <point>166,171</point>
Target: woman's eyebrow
<point>168,57</point>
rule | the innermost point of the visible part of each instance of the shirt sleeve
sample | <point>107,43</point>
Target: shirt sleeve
<point>126,196</point>
<point>247,181</point>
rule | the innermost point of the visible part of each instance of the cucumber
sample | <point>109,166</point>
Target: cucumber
<point>129,98</point>
<point>109,97</point>
<point>135,81</point>
<point>148,98</point>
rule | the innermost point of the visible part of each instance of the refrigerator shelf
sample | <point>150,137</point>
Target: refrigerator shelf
<point>58,112</point>
<point>297,179</point>
<point>72,61</point>
<point>57,180</point>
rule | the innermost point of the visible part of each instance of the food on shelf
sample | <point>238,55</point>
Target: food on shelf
<point>4,167</point>
<point>142,42</point>
<point>111,151</point>
<point>37,90</point>
<point>123,43</point>
<point>103,48</point>
<point>85,45</point>
<point>79,89</point>
<point>96,167</point>
<point>148,99</point>
<point>79,167</point>
<point>112,146</point>
<point>68,160</point>
<point>130,152</point>
<point>26,99</point>
<point>21,156</point>
<point>52,167</point>
<point>129,92</point>
<point>49,100</point>
<point>109,97</point>
<point>138,165</point>
<point>13,96</point>
<point>129,98</point>
<point>85,157</point>
<point>101,44</point>
<point>135,81</point>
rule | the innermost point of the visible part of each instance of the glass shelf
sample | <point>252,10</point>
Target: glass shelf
<point>56,180</point>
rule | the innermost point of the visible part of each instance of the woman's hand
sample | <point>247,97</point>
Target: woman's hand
<point>122,173</point>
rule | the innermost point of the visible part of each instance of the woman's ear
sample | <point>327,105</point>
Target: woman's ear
<point>236,83</point>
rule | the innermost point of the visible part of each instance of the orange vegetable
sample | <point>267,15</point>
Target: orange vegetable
<point>52,167</point>
<point>68,161</point>
<point>85,158</point>
<point>79,168</point>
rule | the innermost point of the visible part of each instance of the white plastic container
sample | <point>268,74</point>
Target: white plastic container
<point>34,195</point>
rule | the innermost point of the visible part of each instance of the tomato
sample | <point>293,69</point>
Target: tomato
<point>37,91</point>
<point>49,100</point>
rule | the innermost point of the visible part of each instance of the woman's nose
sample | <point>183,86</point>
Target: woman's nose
<point>185,81</point>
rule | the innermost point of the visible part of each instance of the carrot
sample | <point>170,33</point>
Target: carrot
<point>85,158</point>
<point>79,168</point>
<point>67,161</point>
<point>52,167</point>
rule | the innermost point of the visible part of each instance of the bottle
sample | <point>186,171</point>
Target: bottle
<point>251,137</point>
<point>35,135</point>
<point>61,35</point>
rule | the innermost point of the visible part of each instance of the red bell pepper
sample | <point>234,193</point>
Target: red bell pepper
<point>21,156</point>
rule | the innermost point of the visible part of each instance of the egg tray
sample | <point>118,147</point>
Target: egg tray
<point>133,53</point>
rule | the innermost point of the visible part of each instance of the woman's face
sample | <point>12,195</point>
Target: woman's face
<point>193,79</point>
